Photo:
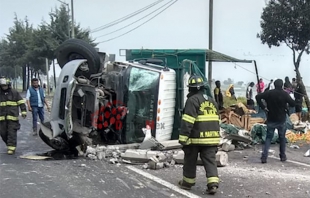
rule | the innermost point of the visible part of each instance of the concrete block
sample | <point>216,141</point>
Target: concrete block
<point>171,144</point>
<point>221,158</point>
<point>228,147</point>
<point>140,155</point>
<point>151,143</point>
<point>123,146</point>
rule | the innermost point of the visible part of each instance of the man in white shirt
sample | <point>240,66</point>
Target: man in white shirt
<point>249,96</point>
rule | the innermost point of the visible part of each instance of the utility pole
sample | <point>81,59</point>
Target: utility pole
<point>210,42</point>
<point>15,84</point>
<point>47,78</point>
<point>72,18</point>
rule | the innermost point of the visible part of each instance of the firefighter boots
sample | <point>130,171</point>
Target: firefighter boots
<point>212,188</point>
<point>184,185</point>
<point>11,150</point>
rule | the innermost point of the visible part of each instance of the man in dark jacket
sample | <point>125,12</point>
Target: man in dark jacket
<point>10,102</point>
<point>199,134</point>
<point>218,95</point>
<point>298,95</point>
<point>276,110</point>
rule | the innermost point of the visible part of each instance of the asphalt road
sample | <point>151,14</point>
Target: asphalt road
<point>245,176</point>
<point>68,178</point>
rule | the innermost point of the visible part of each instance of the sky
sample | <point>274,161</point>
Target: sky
<point>182,26</point>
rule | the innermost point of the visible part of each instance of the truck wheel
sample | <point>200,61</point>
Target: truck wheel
<point>73,49</point>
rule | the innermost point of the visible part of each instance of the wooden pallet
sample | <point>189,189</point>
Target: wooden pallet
<point>246,121</point>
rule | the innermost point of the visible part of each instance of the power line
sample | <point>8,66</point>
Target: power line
<point>125,17</point>
<point>140,24</point>
<point>134,21</point>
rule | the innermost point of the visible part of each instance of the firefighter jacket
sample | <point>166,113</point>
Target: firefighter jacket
<point>10,102</point>
<point>200,123</point>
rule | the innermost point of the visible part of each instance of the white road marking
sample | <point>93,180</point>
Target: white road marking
<point>294,162</point>
<point>163,182</point>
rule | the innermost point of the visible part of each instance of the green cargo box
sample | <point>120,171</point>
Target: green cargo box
<point>173,59</point>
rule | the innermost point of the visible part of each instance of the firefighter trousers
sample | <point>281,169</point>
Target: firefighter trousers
<point>8,131</point>
<point>208,158</point>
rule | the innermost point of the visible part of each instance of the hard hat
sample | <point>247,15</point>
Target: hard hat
<point>195,81</point>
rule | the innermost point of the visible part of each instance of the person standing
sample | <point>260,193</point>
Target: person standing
<point>294,83</point>
<point>230,92</point>
<point>200,133</point>
<point>288,85</point>
<point>276,110</point>
<point>270,86</point>
<point>249,96</point>
<point>218,95</point>
<point>260,86</point>
<point>10,103</point>
<point>35,101</point>
<point>298,95</point>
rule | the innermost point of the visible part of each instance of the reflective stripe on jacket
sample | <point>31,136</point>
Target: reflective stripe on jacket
<point>200,123</point>
<point>10,102</point>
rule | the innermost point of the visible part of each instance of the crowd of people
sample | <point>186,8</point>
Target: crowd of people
<point>277,101</point>
<point>294,89</point>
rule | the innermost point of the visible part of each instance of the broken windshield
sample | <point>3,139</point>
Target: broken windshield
<point>142,79</point>
<point>141,102</point>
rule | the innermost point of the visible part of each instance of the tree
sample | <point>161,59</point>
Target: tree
<point>26,48</point>
<point>60,27</point>
<point>60,30</point>
<point>6,61</point>
<point>288,22</point>
<point>240,83</point>
<point>228,81</point>
<point>19,38</point>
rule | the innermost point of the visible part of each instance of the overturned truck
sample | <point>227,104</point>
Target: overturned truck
<point>98,101</point>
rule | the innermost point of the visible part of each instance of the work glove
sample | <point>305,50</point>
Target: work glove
<point>24,116</point>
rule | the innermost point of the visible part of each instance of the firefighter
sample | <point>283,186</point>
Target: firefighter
<point>200,133</point>
<point>10,102</point>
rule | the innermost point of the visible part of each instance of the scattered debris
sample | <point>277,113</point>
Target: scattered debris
<point>294,146</point>
<point>227,146</point>
<point>143,156</point>
<point>240,116</point>
<point>35,157</point>
<point>307,154</point>
<point>150,142</point>
<point>271,152</point>
<point>221,158</point>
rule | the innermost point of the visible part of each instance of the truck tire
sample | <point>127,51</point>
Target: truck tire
<point>73,49</point>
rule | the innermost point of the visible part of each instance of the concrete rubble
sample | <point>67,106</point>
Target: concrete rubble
<point>157,155</point>
<point>152,154</point>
